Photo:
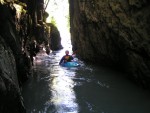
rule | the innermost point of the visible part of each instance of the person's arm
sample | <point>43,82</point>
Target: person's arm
<point>62,59</point>
<point>71,58</point>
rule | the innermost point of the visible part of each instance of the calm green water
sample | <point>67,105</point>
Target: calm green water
<point>86,89</point>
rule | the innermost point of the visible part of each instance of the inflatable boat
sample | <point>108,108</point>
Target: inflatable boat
<point>70,64</point>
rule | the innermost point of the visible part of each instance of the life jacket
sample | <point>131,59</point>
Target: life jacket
<point>67,58</point>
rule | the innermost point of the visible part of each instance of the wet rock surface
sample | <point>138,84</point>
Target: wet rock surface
<point>10,95</point>
<point>114,33</point>
<point>13,70</point>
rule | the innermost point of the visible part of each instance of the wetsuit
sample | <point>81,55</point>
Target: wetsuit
<point>66,58</point>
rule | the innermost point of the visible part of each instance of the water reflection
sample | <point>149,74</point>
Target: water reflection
<point>88,89</point>
<point>63,96</point>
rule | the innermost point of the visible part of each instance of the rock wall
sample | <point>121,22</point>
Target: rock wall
<point>55,38</point>
<point>114,33</point>
<point>21,22</point>
<point>13,65</point>
<point>10,95</point>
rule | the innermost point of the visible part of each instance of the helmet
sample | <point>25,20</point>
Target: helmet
<point>67,52</point>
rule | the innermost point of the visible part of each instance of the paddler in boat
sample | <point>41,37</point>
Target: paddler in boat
<point>66,58</point>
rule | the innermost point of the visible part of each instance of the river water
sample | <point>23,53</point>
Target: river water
<point>84,89</point>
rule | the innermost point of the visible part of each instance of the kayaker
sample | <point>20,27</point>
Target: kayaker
<point>66,58</point>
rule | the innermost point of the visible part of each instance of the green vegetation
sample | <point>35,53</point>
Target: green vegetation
<point>59,15</point>
<point>53,21</point>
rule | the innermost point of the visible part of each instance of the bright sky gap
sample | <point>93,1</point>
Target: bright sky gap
<point>58,10</point>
